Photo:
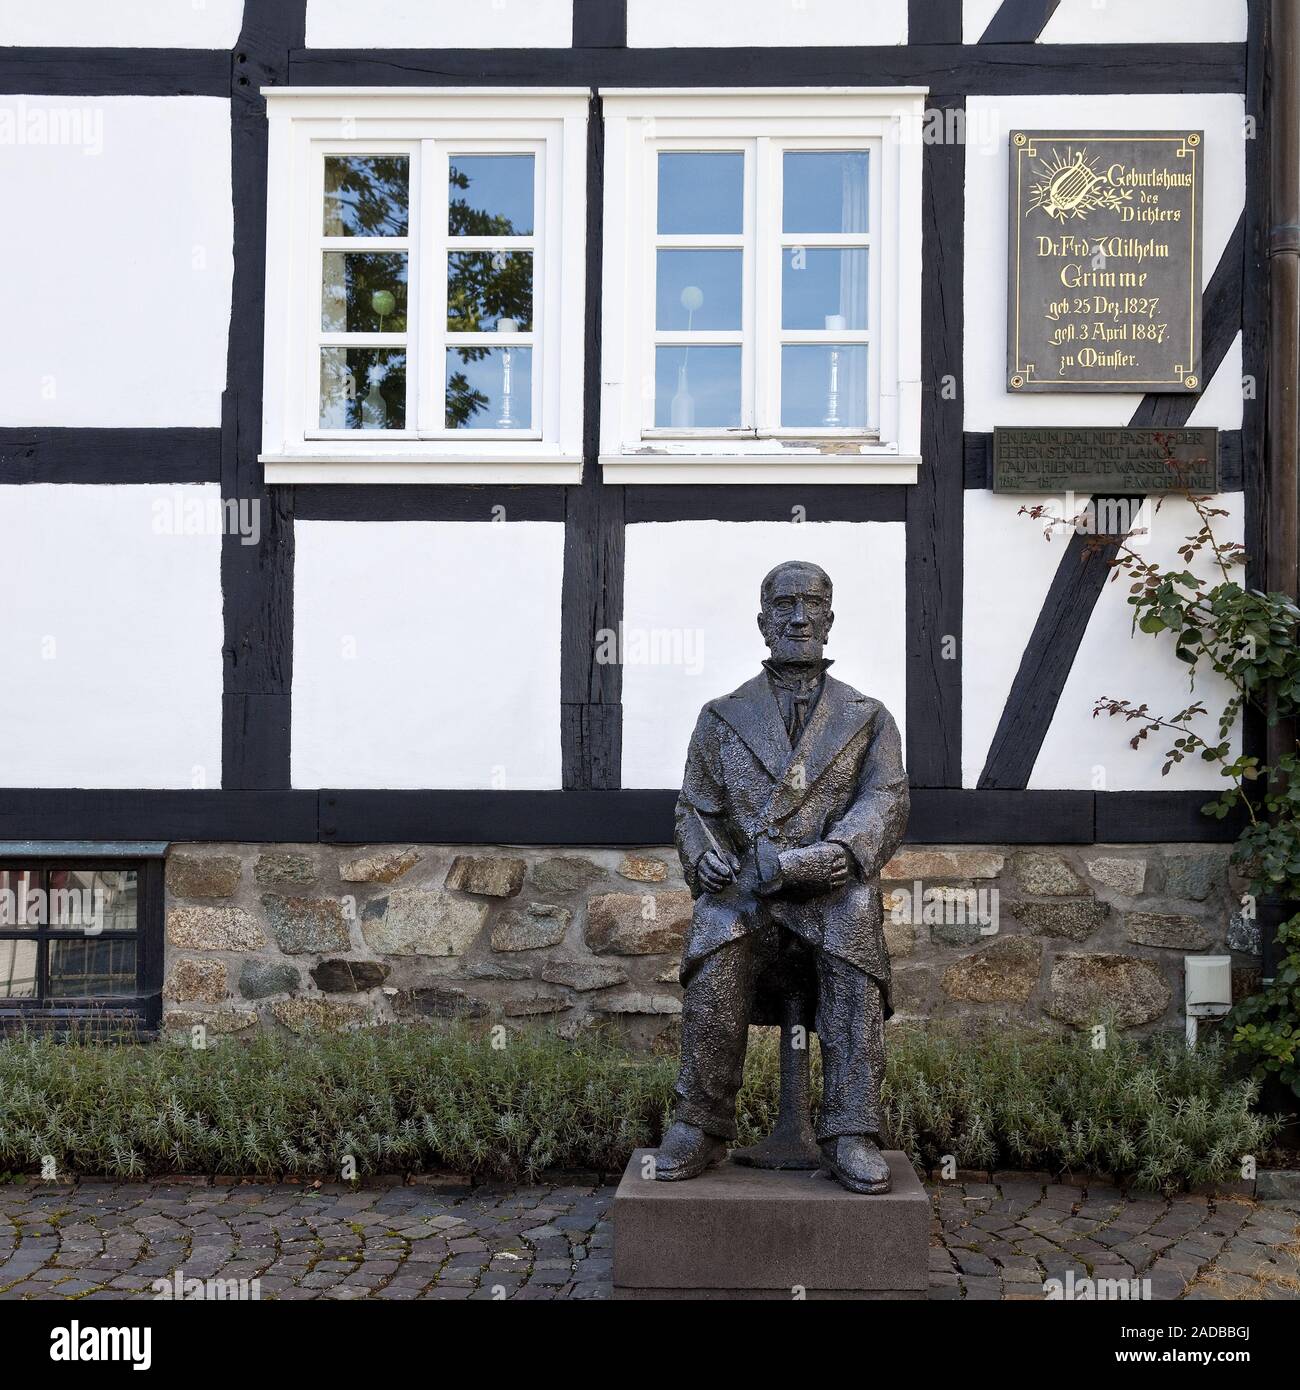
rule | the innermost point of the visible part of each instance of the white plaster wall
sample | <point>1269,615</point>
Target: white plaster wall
<point>975,16</point>
<point>695,585</point>
<point>1009,564</point>
<point>989,121</point>
<point>1221,404</point>
<point>121,23</point>
<point>1146,21</point>
<point>110,660</point>
<point>427,654</point>
<point>117,248</point>
<point>440,24</point>
<point>765,23</point>
<point>1113,662</point>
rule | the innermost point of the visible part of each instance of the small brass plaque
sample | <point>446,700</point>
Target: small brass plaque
<point>1102,460</point>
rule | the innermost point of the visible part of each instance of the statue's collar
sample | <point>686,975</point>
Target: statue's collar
<point>800,676</point>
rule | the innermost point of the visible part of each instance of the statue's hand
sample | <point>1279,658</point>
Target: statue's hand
<point>716,870</point>
<point>822,866</point>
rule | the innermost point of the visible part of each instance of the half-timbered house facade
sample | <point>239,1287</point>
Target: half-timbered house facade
<point>401,404</point>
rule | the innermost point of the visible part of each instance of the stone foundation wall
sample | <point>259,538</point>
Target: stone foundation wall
<point>304,936</point>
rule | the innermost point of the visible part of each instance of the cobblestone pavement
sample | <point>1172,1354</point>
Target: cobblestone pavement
<point>440,1239</point>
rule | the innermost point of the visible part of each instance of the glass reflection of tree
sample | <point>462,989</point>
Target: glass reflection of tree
<point>366,195</point>
<point>356,286</point>
<point>481,286</point>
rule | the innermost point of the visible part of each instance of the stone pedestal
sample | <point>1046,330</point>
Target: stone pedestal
<point>741,1232</point>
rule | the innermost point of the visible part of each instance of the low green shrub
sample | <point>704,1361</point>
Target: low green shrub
<point>395,1099</point>
<point>1147,1110</point>
<point>412,1098</point>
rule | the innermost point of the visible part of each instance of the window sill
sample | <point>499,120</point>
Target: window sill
<point>126,1021</point>
<point>659,465</point>
<point>421,466</point>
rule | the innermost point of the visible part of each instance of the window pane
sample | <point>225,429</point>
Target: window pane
<point>22,899</point>
<point>489,388</point>
<point>486,288</point>
<point>490,195</point>
<point>364,292</point>
<point>87,968</point>
<point>697,387</point>
<point>104,899</point>
<point>824,386</point>
<point>702,193</point>
<point>362,388</point>
<point>825,191</point>
<point>366,194</point>
<point>823,288</point>
<point>17,969</point>
<point>698,289</point>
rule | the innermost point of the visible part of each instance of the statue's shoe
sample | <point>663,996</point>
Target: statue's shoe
<point>686,1152</point>
<point>855,1162</point>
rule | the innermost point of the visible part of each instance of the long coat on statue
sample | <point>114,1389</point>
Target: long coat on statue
<point>747,791</point>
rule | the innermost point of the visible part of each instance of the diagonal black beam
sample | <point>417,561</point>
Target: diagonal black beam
<point>1047,660</point>
<point>1220,324</point>
<point>1019,21</point>
<point>1077,585</point>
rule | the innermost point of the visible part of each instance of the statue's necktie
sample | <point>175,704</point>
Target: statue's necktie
<point>799,703</point>
<point>796,698</point>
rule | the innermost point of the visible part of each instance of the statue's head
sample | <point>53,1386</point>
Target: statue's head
<point>795,618</point>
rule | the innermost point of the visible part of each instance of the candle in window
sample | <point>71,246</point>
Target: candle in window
<point>836,323</point>
<point>506,421</point>
<point>681,409</point>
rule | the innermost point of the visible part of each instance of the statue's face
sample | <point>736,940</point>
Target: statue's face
<point>796,617</point>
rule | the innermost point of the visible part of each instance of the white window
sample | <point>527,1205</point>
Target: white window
<point>762,286</point>
<point>425,276</point>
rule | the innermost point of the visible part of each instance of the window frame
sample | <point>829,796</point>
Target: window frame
<point>766,123</point>
<point>139,1012</point>
<point>429,125</point>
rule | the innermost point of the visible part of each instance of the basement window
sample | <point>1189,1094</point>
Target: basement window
<point>80,943</point>
<point>425,256</point>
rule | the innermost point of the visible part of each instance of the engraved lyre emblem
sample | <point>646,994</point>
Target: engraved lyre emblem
<point>1073,187</point>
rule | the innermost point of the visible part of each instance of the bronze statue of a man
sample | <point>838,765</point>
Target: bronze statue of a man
<point>794,798</point>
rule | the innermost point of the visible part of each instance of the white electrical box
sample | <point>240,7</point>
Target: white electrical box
<point>1209,985</point>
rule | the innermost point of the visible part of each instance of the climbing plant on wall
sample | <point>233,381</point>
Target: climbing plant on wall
<point>1214,623</point>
